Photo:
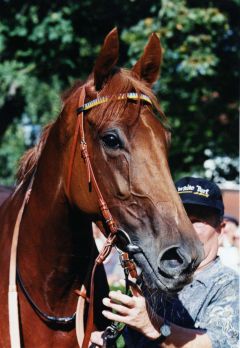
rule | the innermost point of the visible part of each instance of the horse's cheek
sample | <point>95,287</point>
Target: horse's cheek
<point>118,182</point>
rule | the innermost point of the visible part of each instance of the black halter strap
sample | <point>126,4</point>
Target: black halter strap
<point>44,316</point>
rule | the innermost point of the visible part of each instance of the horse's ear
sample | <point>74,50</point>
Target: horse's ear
<point>148,66</point>
<point>107,58</point>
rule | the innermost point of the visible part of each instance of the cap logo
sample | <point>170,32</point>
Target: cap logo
<point>196,190</point>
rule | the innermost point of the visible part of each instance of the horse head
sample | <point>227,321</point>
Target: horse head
<point>128,148</point>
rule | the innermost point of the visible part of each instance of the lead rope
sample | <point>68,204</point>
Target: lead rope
<point>13,312</point>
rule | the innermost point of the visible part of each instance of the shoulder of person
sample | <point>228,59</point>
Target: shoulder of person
<point>220,279</point>
<point>222,272</point>
<point>227,274</point>
<point>226,283</point>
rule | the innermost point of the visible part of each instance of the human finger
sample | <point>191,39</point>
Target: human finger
<point>123,310</point>
<point>115,317</point>
<point>122,298</point>
<point>96,338</point>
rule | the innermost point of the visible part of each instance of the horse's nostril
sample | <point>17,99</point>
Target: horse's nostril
<point>171,258</point>
<point>173,261</point>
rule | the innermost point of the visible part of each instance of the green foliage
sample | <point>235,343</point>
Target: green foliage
<point>45,46</point>
<point>120,342</point>
<point>11,152</point>
<point>198,87</point>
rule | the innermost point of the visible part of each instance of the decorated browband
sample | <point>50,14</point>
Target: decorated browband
<point>102,100</point>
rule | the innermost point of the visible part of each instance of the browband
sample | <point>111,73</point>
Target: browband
<point>101,100</point>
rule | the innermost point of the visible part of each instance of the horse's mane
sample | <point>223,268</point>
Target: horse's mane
<point>29,160</point>
<point>121,81</point>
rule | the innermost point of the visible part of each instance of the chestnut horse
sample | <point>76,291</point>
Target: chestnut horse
<point>128,148</point>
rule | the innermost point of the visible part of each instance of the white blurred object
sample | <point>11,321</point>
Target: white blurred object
<point>229,249</point>
<point>230,257</point>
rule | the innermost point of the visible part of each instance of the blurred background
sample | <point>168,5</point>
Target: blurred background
<point>46,45</point>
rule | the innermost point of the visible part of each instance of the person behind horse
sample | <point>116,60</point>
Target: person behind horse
<point>205,312</point>
<point>229,247</point>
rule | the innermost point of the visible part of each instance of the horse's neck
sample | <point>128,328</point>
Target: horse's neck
<point>55,241</point>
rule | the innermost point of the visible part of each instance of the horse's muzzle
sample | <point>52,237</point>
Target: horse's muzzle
<point>174,261</point>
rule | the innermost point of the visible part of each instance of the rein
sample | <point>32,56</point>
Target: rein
<point>128,265</point>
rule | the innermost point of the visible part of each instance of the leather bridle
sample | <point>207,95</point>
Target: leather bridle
<point>111,237</point>
<point>110,223</point>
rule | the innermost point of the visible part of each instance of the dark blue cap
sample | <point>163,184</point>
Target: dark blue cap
<point>200,191</point>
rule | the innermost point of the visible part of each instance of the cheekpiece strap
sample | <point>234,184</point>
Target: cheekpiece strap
<point>102,100</point>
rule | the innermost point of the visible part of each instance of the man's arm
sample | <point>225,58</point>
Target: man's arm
<point>186,338</point>
<point>134,312</point>
<point>220,320</point>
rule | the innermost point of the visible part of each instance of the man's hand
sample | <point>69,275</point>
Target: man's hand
<point>96,338</point>
<point>133,312</point>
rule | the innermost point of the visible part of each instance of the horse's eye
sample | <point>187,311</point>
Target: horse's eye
<point>112,141</point>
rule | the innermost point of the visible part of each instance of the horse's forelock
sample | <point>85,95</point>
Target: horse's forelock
<point>121,81</point>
